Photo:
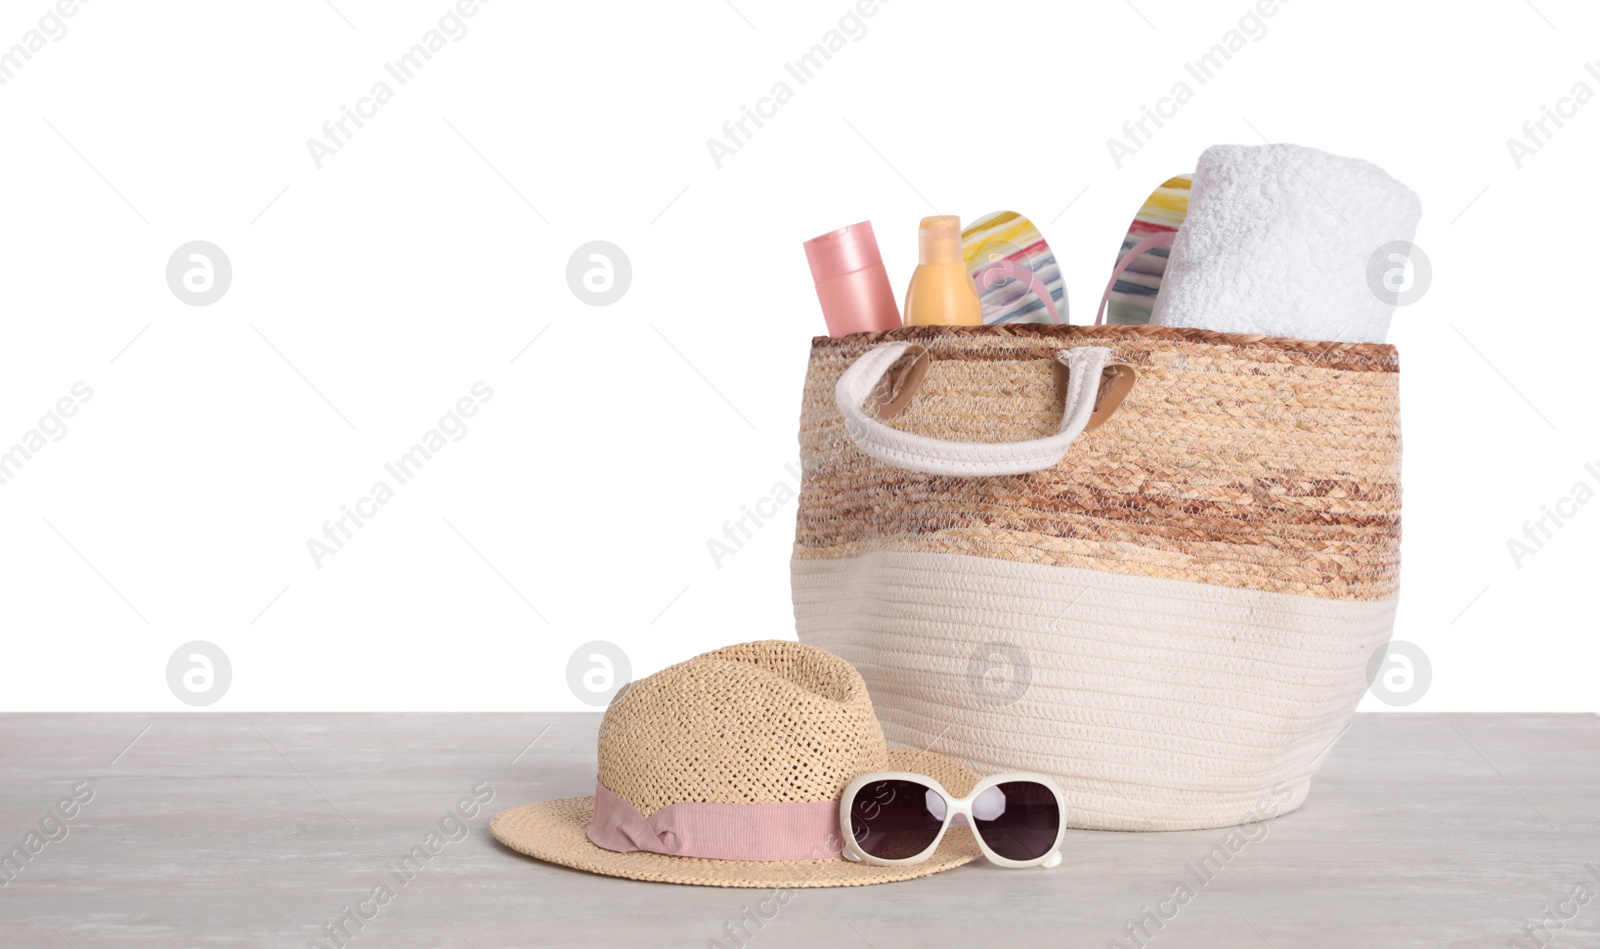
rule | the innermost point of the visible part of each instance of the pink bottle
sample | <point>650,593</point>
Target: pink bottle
<point>851,282</point>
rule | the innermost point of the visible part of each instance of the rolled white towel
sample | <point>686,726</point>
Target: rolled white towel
<point>1279,240</point>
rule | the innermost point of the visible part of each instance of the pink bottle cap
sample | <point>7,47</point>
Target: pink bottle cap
<point>843,251</point>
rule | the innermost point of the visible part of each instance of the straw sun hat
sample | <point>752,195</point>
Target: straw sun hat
<point>726,770</point>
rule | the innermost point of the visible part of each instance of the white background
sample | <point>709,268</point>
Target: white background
<point>426,254</point>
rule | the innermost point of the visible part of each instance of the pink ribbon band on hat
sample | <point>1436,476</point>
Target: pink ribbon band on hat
<point>798,831</point>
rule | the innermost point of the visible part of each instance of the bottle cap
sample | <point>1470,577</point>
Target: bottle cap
<point>939,240</point>
<point>844,251</point>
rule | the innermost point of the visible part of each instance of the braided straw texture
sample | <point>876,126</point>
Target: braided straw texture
<point>1175,620</point>
<point>759,723</point>
<point>1237,460</point>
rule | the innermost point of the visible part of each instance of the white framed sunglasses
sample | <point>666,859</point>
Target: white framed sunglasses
<point>892,818</point>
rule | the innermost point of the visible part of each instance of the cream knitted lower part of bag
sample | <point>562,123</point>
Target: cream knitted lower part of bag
<point>1158,704</point>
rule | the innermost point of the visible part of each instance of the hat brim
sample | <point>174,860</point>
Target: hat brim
<point>557,832</point>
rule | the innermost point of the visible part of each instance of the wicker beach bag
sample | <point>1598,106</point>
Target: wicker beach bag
<point>1150,561</point>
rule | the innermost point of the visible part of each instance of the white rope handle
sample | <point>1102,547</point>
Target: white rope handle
<point>965,459</point>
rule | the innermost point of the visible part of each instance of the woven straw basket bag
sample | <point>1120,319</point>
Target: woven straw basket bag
<point>1150,561</point>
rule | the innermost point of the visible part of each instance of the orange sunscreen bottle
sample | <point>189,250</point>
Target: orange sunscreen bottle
<point>941,290</point>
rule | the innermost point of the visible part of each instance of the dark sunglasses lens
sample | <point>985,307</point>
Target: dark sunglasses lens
<point>893,820</point>
<point>1019,820</point>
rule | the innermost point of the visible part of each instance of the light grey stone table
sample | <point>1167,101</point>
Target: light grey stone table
<point>231,830</point>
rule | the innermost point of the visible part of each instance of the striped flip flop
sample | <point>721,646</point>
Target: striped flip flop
<point>1134,292</point>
